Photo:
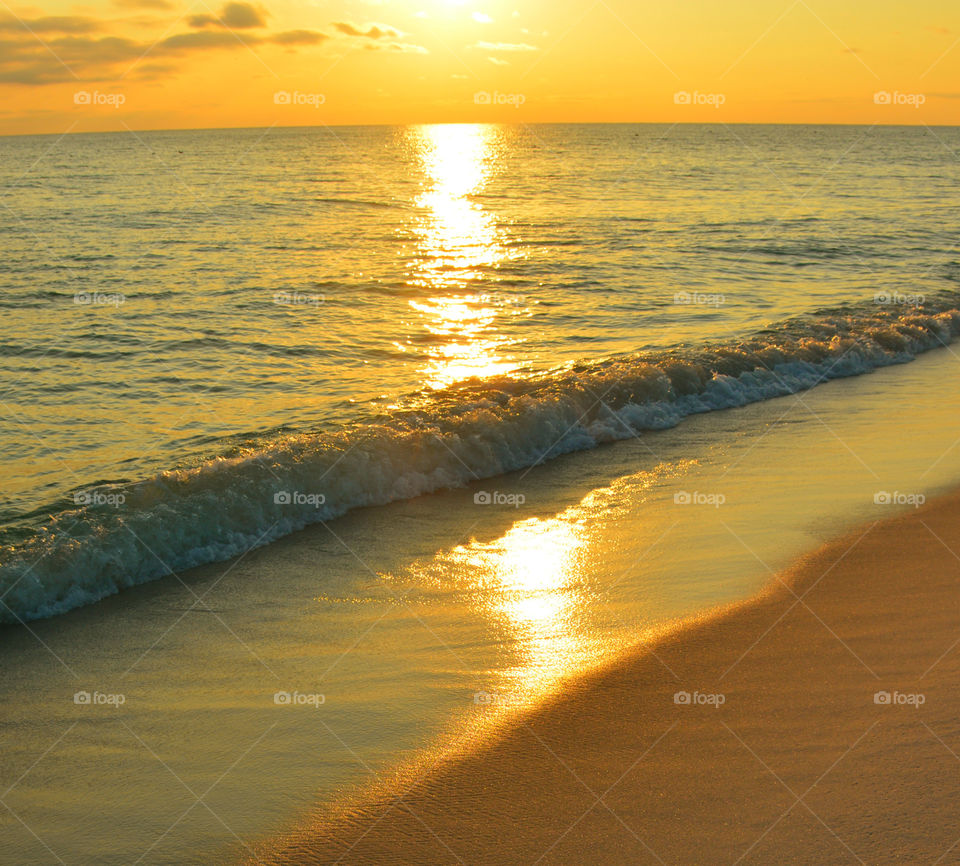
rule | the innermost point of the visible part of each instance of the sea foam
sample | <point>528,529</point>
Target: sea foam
<point>116,536</point>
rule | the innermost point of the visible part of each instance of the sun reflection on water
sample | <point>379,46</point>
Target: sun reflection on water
<point>459,247</point>
<point>458,236</point>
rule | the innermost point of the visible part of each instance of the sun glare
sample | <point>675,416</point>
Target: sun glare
<point>458,250</point>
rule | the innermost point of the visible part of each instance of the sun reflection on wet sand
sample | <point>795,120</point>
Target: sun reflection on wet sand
<point>535,585</point>
<point>537,566</point>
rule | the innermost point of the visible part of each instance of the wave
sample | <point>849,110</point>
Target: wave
<point>357,202</point>
<point>115,535</point>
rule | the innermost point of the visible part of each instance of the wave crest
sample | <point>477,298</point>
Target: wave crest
<point>119,535</point>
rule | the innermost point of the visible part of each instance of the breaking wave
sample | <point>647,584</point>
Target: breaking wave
<point>113,536</point>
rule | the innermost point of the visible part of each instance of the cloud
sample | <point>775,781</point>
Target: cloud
<point>71,51</point>
<point>152,71</point>
<point>298,37</point>
<point>42,72</point>
<point>204,39</point>
<point>240,16</point>
<point>373,31</point>
<point>222,39</point>
<point>235,16</point>
<point>49,24</point>
<point>69,57</point>
<point>496,61</point>
<point>402,47</point>
<point>482,18</point>
<point>143,4</point>
<point>505,46</point>
<point>406,48</point>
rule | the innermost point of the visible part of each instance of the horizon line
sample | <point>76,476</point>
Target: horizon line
<point>475,123</point>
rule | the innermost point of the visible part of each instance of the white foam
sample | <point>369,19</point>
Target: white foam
<point>182,519</point>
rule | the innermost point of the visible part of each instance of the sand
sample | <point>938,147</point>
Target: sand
<point>783,755</point>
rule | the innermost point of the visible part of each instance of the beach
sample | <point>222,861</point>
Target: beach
<point>334,479</point>
<point>814,723</point>
<point>385,626</point>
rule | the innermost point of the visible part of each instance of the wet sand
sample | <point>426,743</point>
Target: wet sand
<point>784,752</point>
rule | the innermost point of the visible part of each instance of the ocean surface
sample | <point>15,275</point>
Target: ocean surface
<point>213,339</point>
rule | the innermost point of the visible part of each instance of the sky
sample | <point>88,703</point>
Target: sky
<point>168,64</point>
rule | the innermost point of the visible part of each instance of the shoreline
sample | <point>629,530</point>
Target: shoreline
<point>820,727</point>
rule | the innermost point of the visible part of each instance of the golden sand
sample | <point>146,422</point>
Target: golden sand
<point>785,752</point>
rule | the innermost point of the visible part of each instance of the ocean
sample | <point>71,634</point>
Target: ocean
<point>215,338</point>
<point>325,447</point>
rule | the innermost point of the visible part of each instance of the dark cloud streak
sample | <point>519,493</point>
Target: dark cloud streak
<point>233,16</point>
<point>373,31</point>
<point>70,55</point>
<point>49,24</point>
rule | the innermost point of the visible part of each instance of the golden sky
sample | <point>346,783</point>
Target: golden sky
<point>157,64</point>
